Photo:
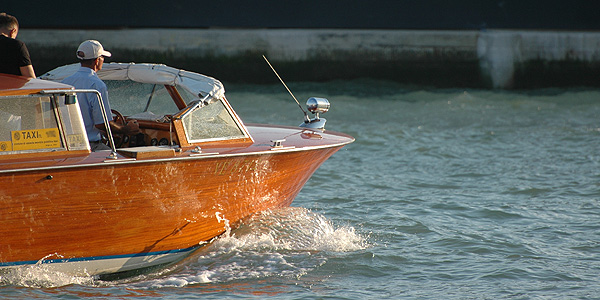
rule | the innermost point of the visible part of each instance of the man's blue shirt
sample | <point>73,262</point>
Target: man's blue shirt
<point>86,78</point>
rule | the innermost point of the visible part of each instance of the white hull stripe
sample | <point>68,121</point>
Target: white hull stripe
<point>107,264</point>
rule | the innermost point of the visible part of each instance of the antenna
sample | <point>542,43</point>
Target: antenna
<point>306,118</point>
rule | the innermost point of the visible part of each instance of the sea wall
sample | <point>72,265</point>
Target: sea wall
<point>504,59</point>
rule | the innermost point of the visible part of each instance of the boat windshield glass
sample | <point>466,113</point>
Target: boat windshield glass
<point>211,122</point>
<point>130,98</point>
<point>29,124</point>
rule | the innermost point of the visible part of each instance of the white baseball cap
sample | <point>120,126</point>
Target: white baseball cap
<point>91,49</point>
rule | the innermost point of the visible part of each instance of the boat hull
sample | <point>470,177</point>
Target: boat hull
<point>116,217</point>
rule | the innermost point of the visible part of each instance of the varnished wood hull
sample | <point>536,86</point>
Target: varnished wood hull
<point>140,213</point>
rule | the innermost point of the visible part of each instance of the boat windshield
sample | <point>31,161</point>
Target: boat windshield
<point>202,121</point>
<point>211,122</point>
<point>30,124</point>
<point>131,98</point>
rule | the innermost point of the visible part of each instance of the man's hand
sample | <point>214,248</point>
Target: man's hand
<point>132,127</point>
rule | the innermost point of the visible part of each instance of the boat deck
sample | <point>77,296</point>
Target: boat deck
<point>267,140</point>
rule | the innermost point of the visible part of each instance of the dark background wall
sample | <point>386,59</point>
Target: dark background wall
<point>436,67</point>
<point>365,14</point>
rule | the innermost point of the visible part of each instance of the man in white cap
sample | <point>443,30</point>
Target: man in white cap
<point>91,55</point>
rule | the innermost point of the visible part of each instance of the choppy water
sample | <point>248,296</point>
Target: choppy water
<point>446,194</point>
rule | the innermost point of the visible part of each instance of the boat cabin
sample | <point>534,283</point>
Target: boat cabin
<point>35,119</point>
<point>173,107</point>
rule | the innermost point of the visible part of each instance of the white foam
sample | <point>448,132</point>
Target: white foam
<point>284,242</point>
<point>41,276</point>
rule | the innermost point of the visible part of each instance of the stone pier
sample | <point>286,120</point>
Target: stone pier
<point>502,59</point>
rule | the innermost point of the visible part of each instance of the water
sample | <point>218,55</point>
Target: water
<point>446,194</point>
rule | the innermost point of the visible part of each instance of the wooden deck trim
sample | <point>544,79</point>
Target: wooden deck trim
<point>147,152</point>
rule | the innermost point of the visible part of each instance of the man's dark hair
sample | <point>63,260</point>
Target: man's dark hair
<point>7,21</point>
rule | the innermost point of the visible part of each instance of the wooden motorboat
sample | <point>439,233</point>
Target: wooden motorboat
<point>193,172</point>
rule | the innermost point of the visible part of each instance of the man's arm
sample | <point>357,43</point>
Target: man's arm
<point>28,71</point>
<point>131,127</point>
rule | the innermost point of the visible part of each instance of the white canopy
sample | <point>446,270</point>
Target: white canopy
<point>194,83</point>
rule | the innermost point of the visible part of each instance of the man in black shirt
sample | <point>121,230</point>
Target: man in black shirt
<point>14,57</point>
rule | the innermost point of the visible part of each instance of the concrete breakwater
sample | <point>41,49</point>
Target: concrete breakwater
<point>503,59</point>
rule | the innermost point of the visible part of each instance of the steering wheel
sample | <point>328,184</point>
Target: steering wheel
<point>118,137</point>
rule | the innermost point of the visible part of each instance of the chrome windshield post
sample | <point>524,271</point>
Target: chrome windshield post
<point>193,105</point>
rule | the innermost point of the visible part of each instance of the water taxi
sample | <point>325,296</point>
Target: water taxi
<point>194,171</point>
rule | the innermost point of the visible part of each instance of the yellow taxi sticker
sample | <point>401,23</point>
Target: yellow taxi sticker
<point>35,139</point>
<point>5,146</point>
